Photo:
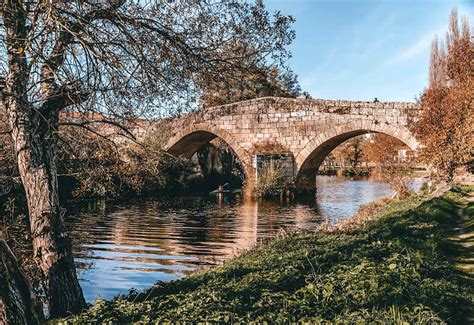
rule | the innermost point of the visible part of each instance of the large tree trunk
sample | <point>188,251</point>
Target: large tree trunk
<point>18,303</point>
<point>35,138</point>
<point>34,133</point>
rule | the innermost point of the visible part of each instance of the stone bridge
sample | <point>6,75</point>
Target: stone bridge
<point>304,131</point>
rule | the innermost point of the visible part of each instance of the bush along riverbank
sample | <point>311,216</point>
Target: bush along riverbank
<point>395,261</point>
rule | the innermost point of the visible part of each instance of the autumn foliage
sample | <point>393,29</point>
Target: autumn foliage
<point>446,126</point>
<point>383,151</point>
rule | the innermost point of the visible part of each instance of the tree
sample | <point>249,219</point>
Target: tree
<point>437,71</point>
<point>255,80</point>
<point>18,303</point>
<point>383,151</point>
<point>351,151</point>
<point>7,158</point>
<point>117,58</point>
<point>446,126</point>
<point>382,148</point>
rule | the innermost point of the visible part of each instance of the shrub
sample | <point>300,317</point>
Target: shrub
<point>271,180</point>
<point>102,168</point>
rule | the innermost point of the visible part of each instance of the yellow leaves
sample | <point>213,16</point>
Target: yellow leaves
<point>20,50</point>
<point>392,266</point>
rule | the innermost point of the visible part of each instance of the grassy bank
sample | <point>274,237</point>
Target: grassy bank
<point>396,261</point>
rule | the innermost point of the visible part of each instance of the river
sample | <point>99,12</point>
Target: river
<point>136,244</point>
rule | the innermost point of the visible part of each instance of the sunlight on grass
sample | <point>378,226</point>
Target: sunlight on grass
<point>395,262</point>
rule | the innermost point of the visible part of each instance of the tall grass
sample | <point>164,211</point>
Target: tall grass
<point>271,180</point>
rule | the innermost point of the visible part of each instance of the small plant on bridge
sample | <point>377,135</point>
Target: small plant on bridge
<point>271,180</point>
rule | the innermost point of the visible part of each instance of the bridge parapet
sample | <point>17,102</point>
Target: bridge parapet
<point>280,104</point>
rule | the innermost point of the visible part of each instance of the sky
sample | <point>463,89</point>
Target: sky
<point>359,50</point>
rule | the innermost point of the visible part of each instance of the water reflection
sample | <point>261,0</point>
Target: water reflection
<point>137,244</point>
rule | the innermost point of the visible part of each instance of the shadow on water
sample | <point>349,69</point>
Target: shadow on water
<point>136,244</point>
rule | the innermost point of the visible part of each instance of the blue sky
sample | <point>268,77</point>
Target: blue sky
<point>359,50</point>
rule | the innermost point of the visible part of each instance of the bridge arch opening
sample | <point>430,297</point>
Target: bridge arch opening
<point>315,152</point>
<point>212,148</point>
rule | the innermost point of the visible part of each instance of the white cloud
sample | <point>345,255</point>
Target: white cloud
<point>420,46</point>
<point>424,43</point>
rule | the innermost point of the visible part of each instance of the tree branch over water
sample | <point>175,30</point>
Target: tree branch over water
<point>120,59</point>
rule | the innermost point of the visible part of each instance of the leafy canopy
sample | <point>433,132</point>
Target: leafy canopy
<point>133,57</point>
<point>446,127</point>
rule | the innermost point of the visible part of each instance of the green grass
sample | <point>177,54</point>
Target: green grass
<point>401,266</point>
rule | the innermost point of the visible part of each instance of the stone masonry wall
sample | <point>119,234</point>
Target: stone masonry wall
<point>307,128</point>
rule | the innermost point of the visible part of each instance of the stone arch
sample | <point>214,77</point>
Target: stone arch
<point>191,138</point>
<point>312,155</point>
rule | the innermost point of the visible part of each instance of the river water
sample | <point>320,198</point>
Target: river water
<point>134,245</point>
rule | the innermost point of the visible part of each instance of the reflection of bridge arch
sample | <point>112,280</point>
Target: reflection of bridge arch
<point>312,155</point>
<point>193,137</point>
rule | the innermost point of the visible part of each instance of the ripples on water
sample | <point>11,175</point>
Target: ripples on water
<point>137,244</point>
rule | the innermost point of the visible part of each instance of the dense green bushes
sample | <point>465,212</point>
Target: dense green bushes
<point>396,267</point>
<point>93,166</point>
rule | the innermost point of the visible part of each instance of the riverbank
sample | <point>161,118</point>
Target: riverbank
<point>394,261</point>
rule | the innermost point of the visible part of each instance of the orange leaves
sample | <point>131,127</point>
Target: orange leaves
<point>382,148</point>
<point>446,127</point>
